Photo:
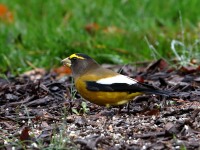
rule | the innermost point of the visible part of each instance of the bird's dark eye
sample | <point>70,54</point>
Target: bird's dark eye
<point>73,58</point>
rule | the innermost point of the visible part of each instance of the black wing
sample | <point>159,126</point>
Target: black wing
<point>123,87</point>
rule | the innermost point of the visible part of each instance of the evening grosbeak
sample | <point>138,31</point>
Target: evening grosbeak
<point>102,86</point>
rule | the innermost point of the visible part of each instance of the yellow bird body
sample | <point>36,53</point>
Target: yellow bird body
<point>99,97</point>
<point>102,86</point>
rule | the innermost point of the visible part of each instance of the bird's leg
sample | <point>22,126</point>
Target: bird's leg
<point>163,101</point>
<point>120,109</point>
<point>128,107</point>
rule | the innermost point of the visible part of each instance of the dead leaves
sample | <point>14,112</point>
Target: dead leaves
<point>93,28</point>
<point>50,118</point>
<point>61,71</point>
<point>5,14</point>
<point>34,74</point>
<point>24,136</point>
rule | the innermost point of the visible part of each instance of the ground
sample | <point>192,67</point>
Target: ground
<point>43,110</point>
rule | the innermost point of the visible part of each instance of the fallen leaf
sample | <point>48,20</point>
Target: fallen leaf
<point>139,78</point>
<point>5,14</point>
<point>153,112</point>
<point>159,64</point>
<point>194,61</point>
<point>35,74</point>
<point>63,70</point>
<point>92,28</point>
<point>189,69</point>
<point>24,136</point>
<point>112,30</point>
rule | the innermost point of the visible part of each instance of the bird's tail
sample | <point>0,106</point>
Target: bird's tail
<point>159,92</point>
<point>152,90</point>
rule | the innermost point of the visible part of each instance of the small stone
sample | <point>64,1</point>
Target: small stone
<point>11,97</point>
<point>54,88</point>
<point>70,119</point>
<point>80,122</point>
<point>110,128</point>
<point>73,134</point>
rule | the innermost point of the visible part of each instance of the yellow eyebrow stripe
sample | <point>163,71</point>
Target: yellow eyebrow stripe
<point>76,56</point>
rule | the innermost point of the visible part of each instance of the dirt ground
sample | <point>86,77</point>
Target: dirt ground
<point>39,109</point>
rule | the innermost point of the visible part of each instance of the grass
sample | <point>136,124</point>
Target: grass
<point>44,32</point>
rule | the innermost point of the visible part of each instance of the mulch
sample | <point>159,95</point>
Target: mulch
<point>40,108</point>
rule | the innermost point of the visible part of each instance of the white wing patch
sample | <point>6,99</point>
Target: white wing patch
<point>117,79</point>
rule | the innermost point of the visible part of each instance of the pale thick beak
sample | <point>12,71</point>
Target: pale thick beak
<point>66,62</point>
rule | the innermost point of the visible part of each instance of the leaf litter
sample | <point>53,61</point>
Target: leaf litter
<point>43,110</point>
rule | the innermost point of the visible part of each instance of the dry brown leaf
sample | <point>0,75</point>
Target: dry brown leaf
<point>35,74</point>
<point>92,28</point>
<point>113,30</point>
<point>24,136</point>
<point>5,14</point>
<point>63,70</point>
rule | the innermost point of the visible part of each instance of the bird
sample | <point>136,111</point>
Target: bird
<point>103,86</point>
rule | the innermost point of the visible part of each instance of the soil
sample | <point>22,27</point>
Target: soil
<point>39,107</point>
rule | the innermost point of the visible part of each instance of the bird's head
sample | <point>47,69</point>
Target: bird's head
<point>79,63</point>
